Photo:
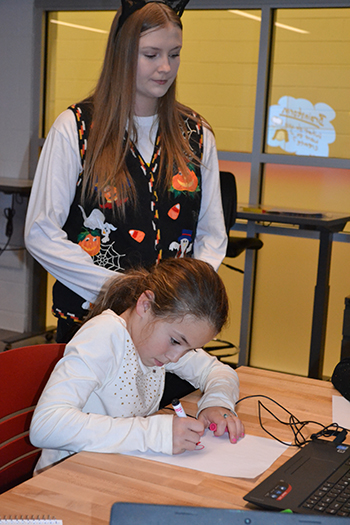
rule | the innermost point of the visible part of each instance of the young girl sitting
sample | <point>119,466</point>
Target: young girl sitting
<point>112,374</point>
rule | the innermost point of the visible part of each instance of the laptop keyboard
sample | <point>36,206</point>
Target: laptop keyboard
<point>333,496</point>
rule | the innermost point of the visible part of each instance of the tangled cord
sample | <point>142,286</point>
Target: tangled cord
<point>297,426</point>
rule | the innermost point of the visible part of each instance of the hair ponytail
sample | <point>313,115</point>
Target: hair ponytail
<point>181,287</point>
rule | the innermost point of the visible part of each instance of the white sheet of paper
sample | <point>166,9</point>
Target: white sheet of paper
<point>341,411</point>
<point>248,458</point>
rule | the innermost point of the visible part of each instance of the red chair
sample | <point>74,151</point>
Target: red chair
<point>23,374</point>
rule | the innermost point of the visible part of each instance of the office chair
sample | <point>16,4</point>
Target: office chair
<point>236,245</point>
<point>23,374</point>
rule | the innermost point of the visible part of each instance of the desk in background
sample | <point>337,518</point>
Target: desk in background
<point>82,489</point>
<point>326,225</point>
<point>20,186</point>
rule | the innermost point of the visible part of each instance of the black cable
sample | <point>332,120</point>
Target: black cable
<point>9,215</point>
<point>297,426</point>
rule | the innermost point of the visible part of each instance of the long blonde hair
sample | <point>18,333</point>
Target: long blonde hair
<point>113,104</point>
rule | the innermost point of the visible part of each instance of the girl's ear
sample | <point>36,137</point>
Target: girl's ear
<point>143,304</point>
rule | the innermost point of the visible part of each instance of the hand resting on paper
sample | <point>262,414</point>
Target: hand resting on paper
<point>187,432</point>
<point>224,420</point>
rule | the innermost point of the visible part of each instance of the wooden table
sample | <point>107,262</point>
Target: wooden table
<point>82,489</point>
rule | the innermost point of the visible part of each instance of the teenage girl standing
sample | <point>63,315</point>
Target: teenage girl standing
<point>129,176</point>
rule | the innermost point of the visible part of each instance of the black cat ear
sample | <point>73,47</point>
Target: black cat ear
<point>178,6</point>
<point>128,8</point>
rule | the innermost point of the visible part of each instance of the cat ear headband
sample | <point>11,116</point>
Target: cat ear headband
<point>130,6</point>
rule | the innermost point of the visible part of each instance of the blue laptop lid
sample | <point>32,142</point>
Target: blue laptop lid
<point>143,513</point>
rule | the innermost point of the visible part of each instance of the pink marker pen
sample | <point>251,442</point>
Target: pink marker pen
<point>180,411</point>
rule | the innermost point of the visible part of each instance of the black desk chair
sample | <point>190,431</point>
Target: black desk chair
<point>236,245</point>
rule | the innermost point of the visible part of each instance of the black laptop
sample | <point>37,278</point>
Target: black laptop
<point>147,514</point>
<point>316,480</point>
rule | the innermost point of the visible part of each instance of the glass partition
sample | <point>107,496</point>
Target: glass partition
<point>75,48</point>
<point>218,72</point>
<point>310,83</point>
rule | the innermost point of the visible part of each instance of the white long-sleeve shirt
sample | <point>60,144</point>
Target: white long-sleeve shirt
<point>100,393</point>
<point>53,191</point>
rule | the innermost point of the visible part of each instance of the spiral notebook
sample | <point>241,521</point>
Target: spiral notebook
<point>29,521</point>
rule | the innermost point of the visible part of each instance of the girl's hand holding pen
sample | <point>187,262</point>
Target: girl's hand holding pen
<point>187,432</point>
<point>222,420</point>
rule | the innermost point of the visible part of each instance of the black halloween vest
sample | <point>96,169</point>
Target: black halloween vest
<point>155,229</point>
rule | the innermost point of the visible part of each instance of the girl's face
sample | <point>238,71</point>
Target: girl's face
<point>164,342</point>
<point>159,342</point>
<point>157,66</point>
